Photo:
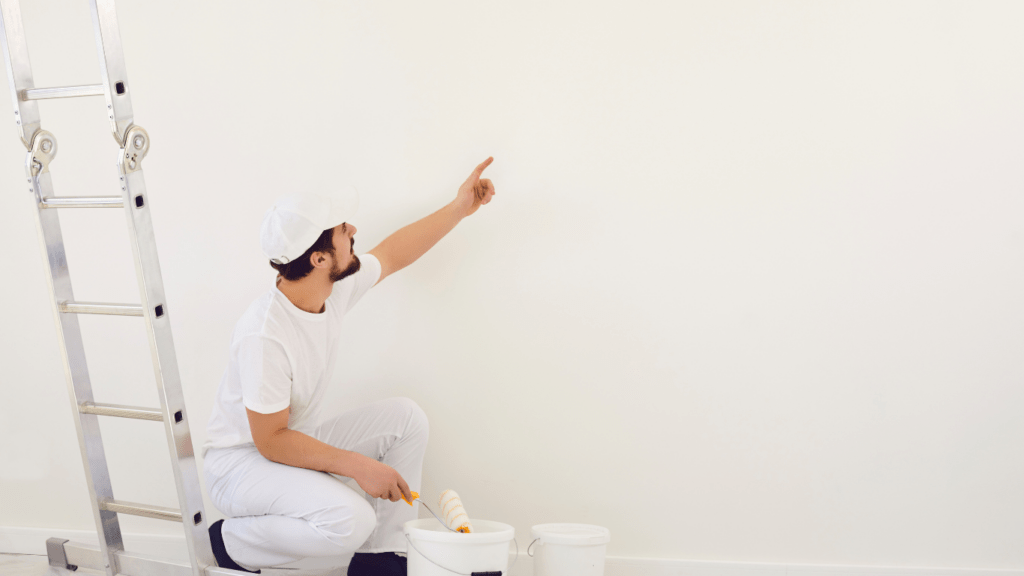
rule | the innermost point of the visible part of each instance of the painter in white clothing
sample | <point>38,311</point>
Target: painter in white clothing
<point>267,443</point>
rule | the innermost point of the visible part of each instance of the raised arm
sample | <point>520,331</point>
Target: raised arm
<point>409,243</point>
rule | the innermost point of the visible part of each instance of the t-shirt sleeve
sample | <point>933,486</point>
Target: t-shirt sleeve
<point>350,290</point>
<point>265,374</point>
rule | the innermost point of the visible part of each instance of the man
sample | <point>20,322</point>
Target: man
<point>268,460</point>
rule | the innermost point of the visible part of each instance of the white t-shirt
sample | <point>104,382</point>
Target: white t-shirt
<point>283,356</point>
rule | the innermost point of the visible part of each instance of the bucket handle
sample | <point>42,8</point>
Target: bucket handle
<point>531,546</point>
<point>463,573</point>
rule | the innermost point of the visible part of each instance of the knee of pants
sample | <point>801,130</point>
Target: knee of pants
<point>416,422</point>
<point>349,534</point>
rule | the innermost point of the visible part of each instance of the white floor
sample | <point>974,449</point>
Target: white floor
<point>36,565</point>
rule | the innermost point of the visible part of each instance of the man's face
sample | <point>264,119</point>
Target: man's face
<point>346,263</point>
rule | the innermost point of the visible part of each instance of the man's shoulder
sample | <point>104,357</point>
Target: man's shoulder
<point>258,316</point>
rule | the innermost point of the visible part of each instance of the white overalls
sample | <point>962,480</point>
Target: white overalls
<point>278,514</point>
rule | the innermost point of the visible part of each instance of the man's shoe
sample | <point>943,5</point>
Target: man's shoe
<point>220,552</point>
<point>377,564</point>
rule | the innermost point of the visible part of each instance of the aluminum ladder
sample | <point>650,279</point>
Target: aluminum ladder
<point>110,557</point>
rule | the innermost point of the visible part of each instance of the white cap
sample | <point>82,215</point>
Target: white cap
<point>295,221</point>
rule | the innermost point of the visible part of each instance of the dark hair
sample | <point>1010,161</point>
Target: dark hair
<point>301,267</point>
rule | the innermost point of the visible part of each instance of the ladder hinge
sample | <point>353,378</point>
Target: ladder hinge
<point>133,150</point>
<point>41,153</point>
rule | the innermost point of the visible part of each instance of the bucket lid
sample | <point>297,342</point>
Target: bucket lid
<point>484,532</point>
<point>577,534</point>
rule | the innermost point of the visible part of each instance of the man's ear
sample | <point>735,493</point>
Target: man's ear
<point>317,259</point>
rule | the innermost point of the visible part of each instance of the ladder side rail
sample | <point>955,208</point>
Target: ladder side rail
<point>134,144</point>
<point>41,148</point>
<point>112,67</point>
<point>19,71</point>
<point>69,335</point>
<point>165,365</point>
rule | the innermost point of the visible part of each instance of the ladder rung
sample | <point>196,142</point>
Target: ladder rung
<point>62,92</point>
<point>83,202</point>
<point>100,308</point>
<point>136,509</point>
<point>122,411</point>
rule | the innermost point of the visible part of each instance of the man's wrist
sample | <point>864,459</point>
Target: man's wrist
<point>457,209</point>
<point>348,463</point>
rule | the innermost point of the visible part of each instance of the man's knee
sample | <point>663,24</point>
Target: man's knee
<point>365,522</point>
<point>416,422</point>
<point>349,533</point>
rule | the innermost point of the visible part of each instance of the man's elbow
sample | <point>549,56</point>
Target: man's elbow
<point>266,430</point>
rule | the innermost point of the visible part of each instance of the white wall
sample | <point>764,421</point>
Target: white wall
<point>750,288</point>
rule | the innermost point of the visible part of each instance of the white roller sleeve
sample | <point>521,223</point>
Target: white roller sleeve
<point>453,513</point>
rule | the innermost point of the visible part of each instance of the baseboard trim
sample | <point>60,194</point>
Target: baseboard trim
<point>16,540</point>
<point>631,566</point>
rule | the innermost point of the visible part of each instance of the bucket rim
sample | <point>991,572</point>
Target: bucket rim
<point>548,534</point>
<point>501,532</point>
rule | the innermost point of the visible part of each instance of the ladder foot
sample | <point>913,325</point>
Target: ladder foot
<point>56,555</point>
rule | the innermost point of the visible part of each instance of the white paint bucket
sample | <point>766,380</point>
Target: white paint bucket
<point>562,549</point>
<point>436,551</point>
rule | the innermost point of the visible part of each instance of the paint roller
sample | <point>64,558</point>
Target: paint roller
<point>455,517</point>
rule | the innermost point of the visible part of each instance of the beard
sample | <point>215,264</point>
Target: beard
<point>338,274</point>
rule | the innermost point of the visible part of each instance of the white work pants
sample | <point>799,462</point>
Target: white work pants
<point>278,514</point>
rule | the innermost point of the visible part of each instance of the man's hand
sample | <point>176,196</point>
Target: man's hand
<point>474,191</point>
<point>382,481</point>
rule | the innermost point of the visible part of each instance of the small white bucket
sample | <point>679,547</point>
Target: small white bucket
<point>561,549</point>
<point>436,551</point>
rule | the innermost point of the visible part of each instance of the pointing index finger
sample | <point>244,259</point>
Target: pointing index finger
<point>483,165</point>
